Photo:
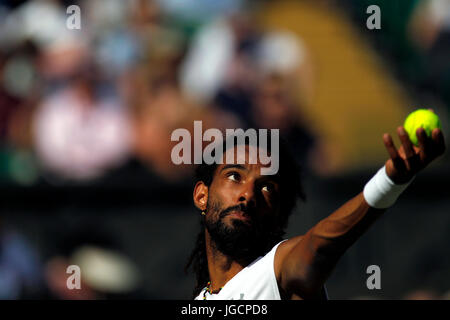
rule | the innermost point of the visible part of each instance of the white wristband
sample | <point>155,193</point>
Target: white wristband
<point>381,192</point>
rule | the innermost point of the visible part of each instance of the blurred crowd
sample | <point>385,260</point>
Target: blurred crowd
<point>75,104</point>
<point>416,36</point>
<point>78,104</point>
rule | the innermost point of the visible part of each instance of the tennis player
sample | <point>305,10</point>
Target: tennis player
<point>240,252</point>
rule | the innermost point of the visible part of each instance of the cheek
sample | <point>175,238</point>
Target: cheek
<point>269,202</point>
<point>223,195</point>
<point>270,209</point>
<point>227,191</point>
<point>215,206</point>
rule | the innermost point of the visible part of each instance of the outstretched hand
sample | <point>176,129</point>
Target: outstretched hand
<point>408,160</point>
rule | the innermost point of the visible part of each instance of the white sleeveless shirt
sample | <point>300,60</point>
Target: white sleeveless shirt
<point>256,281</point>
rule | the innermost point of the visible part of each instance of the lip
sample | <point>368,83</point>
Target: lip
<point>240,215</point>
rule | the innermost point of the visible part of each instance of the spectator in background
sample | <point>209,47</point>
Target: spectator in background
<point>241,76</point>
<point>264,79</point>
<point>18,96</point>
<point>7,103</point>
<point>153,92</point>
<point>429,31</point>
<point>162,110</point>
<point>31,43</point>
<point>274,108</point>
<point>429,20</point>
<point>285,89</point>
<point>218,64</point>
<point>106,272</point>
<point>80,134</point>
<point>20,268</point>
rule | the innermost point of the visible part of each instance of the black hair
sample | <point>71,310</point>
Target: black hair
<point>290,192</point>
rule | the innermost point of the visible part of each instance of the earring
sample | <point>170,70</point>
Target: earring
<point>203,213</point>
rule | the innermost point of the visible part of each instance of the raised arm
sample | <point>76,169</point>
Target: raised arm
<point>303,264</point>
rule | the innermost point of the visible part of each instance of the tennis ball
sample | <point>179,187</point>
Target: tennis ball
<point>421,118</point>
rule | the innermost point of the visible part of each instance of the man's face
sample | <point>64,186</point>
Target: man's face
<point>242,207</point>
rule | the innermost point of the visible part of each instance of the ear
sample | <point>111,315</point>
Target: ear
<point>200,195</point>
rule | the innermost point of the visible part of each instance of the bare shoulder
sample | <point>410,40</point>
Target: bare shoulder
<point>282,251</point>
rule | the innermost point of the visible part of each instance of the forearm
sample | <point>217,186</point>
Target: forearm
<point>332,236</point>
<point>314,257</point>
<point>321,247</point>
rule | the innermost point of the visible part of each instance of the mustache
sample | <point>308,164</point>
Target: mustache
<point>240,207</point>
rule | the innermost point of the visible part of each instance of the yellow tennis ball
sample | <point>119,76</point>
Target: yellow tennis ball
<point>421,118</point>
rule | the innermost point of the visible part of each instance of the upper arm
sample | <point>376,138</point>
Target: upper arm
<point>282,252</point>
<point>304,263</point>
<point>293,268</point>
<point>283,257</point>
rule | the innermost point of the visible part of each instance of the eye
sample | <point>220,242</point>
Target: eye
<point>267,188</point>
<point>234,176</point>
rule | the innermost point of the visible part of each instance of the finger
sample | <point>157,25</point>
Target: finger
<point>425,145</point>
<point>437,138</point>
<point>393,153</point>
<point>412,158</point>
<point>406,142</point>
<point>390,147</point>
<point>431,110</point>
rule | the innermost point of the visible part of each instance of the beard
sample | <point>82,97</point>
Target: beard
<point>242,240</point>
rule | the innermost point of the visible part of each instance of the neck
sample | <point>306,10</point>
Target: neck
<point>220,266</point>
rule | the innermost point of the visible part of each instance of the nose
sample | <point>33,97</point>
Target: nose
<point>247,194</point>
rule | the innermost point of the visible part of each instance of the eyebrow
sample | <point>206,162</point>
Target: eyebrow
<point>233,166</point>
